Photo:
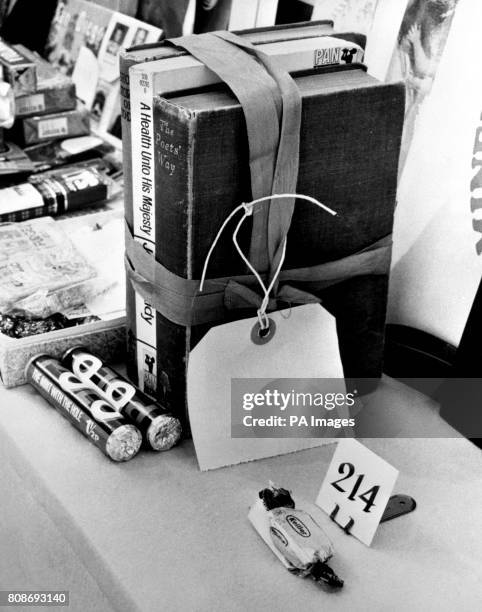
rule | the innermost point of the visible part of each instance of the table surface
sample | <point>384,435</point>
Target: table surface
<point>159,534</point>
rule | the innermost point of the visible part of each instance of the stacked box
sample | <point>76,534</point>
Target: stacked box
<point>18,69</point>
<point>67,124</point>
<point>55,92</point>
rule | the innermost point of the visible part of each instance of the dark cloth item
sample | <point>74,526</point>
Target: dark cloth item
<point>461,394</point>
<point>29,23</point>
<point>166,14</point>
<point>4,4</point>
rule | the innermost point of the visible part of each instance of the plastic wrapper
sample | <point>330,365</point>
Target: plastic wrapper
<point>17,326</point>
<point>294,536</point>
<point>38,256</point>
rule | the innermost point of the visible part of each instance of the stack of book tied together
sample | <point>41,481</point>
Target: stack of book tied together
<point>216,120</point>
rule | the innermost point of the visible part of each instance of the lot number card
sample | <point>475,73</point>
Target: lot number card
<point>360,483</point>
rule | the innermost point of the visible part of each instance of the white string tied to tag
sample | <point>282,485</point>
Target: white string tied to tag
<point>248,211</point>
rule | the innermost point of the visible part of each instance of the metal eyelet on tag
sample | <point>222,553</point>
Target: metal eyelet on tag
<point>263,336</point>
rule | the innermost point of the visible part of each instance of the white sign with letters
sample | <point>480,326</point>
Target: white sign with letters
<point>360,483</point>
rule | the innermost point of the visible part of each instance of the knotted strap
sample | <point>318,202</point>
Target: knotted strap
<point>269,97</point>
<point>179,299</point>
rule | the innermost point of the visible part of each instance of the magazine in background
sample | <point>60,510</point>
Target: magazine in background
<point>420,43</point>
<point>85,41</point>
<point>436,263</point>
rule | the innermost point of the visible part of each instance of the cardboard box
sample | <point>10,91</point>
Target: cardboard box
<point>68,124</point>
<point>55,91</point>
<point>18,69</point>
<point>105,338</point>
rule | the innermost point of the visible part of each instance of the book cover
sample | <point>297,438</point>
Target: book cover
<point>149,53</point>
<point>85,42</point>
<point>351,127</point>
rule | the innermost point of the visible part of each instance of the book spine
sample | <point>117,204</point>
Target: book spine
<point>185,73</point>
<point>125,64</point>
<point>174,142</point>
<point>143,217</point>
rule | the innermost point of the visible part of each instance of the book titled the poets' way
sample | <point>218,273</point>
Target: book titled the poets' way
<point>350,138</point>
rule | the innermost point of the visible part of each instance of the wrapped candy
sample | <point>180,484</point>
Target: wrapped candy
<point>296,536</point>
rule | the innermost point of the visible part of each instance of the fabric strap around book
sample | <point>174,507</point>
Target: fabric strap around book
<point>179,299</point>
<point>269,97</point>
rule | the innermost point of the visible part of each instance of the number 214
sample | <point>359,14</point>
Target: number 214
<point>368,496</point>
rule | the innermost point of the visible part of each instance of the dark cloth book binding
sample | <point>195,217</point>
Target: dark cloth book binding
<point>350,141</point>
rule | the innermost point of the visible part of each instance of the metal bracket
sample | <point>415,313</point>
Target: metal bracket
<point>397,505</point>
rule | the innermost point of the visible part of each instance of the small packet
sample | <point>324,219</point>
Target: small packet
<point>37,258</point>
<point>294,536</point>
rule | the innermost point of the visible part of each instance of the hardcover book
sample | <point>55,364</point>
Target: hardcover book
<point>350,140</point>
<point>150,53</point>
<point>184,73</point>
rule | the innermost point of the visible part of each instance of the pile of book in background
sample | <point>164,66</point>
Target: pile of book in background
<point>61,183</point>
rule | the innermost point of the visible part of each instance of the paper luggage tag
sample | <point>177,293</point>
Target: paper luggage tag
<point>304,345</point>
<point>360,483</point>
